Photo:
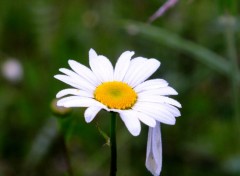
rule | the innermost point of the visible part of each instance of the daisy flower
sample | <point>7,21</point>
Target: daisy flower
<point>123,89</point>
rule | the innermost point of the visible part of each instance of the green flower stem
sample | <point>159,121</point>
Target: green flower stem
<point>113,169</point>
<point>232,54</point>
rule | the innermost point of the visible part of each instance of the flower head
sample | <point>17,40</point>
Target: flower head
<point>123,89</point>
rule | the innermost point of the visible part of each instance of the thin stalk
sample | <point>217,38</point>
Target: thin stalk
<point>113,168</point>
<point>66,156</point>
<point>232,54</point>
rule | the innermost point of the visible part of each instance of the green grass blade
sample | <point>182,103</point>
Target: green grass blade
<point>198,52</point>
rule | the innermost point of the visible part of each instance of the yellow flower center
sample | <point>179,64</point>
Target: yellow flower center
<point>115,95</point>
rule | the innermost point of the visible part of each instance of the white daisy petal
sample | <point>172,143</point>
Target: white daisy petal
<point>131,121</point>
<point>151,84</point>
<point>154,150</point>
<point>92,54</point>
<point>84,72</point>
<point>68,72</point>
<point>61,101</point>
<point>154,107</point>
<point>143,71</point>
<point>83,85</point>
<point>146,119</point>
<point>81,93</point>
<point>172,109</point>
<point>68,80</point>
<point>77,101</point>
<point>158,99</point>
<point>171,101</point>
<point>135,64</point>
<point>146,71</point>
<point>122,65</point>
<point>154,111</point>
<point>77,78</point>
<point>101,67</point>
<point>160,91</point>
<point>90,113</point>
<point>149,143</point>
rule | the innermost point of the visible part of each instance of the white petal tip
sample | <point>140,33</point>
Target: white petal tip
<point>170,121</point>
<point>92,53</point>
<point>70,61</point>
<point>59,95</point>
<point>91,113</point>
<point>87,121</point>
<point>56,76</point>
<point>61,69</point>
<point>157,62</point>
<point>131,52</point>
<point>173,122</point>
<point>135,133</point>
<point>172,91</point>
<point>92,50</point>
<point>59,104</point>
<point>153,125</point>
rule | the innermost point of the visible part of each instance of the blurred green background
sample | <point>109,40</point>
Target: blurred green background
<point>197,43</point>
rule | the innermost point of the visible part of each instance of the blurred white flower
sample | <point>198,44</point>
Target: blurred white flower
<point>12,70</point>
<point>125,90</point>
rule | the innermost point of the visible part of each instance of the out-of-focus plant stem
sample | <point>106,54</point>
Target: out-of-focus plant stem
<point>43,141</point>
<point>66,155</point>
<point>232,54</point>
